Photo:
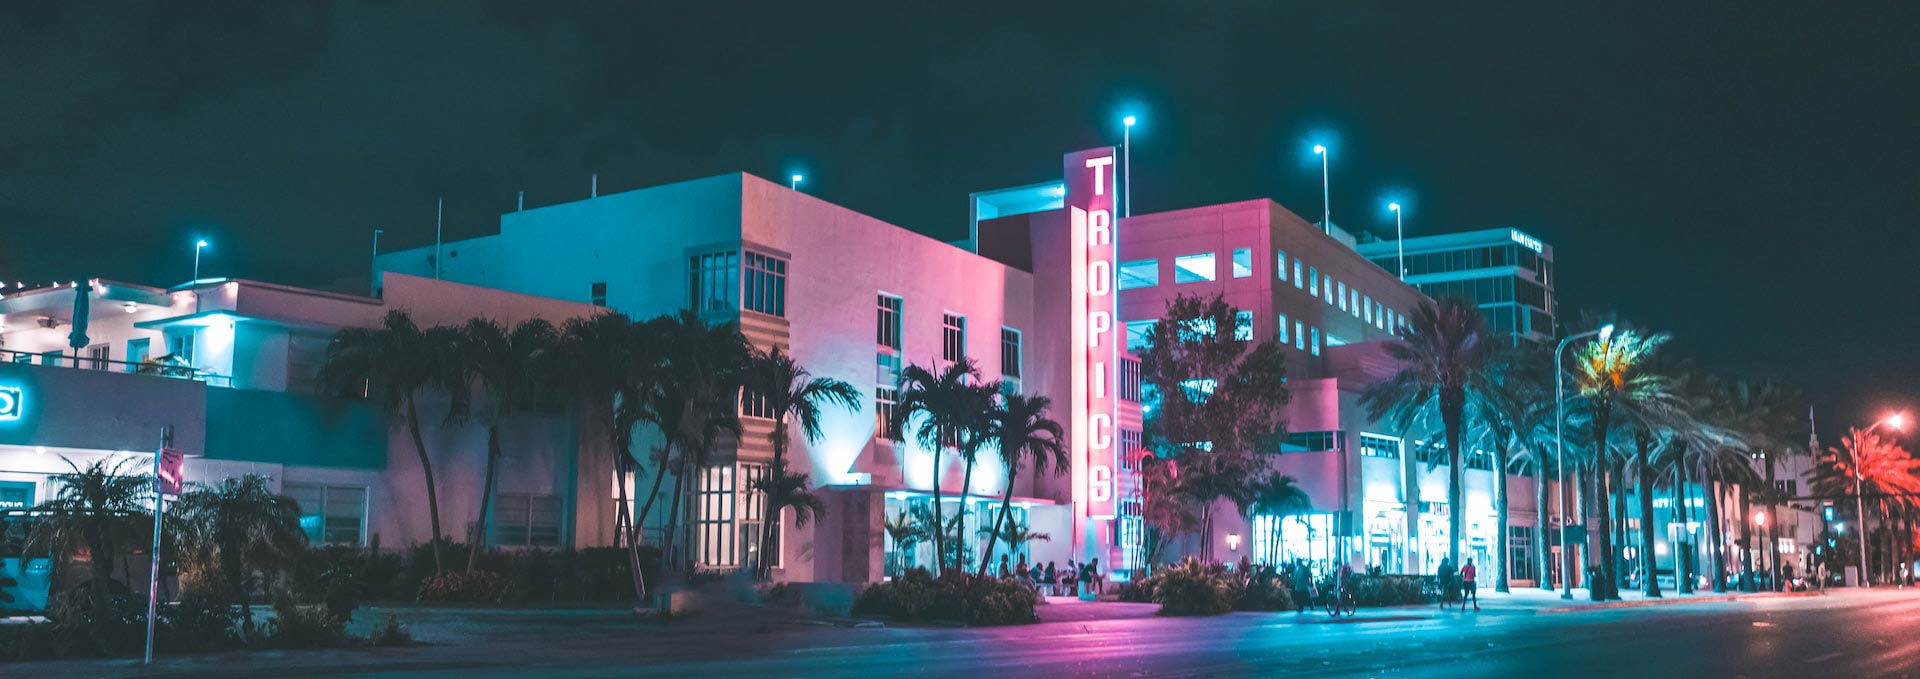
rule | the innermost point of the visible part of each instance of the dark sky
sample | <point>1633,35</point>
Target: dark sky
<point>1739,174</point>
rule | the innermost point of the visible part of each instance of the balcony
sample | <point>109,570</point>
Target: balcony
<point>162,366</point>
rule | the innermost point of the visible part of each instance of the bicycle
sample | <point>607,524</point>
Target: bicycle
<point>1339,599</point>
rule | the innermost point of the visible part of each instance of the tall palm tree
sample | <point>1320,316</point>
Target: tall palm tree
<point>1025,435</point>
<point>245,526</point>
<point>795,491</point>
<point>696,407</point>
<point>1165,510</point>
<point>937,410</point>
<point>1612,380</point>
<point>787,391</point>
<point>1866,464</point>
<point>1234,476</point>
<point>1281,497</point>
<point>1514,419</point>
<point>513,368</point>
<point>1442,357</point>
<point>99,508</point>
<point>396,364</point>
<point>608,367</point>
<point>906,533</point>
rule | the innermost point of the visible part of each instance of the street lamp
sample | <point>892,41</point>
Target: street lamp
<point>197,247</point>
<point>1326,214</point>
<point>373,268</point>
<point>1126,165</point>
<point>1559,452</point>
<point>794,184</point>
<point>1399,239</point>
<point>1899,422</point>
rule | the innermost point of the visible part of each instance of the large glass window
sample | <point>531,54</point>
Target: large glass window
<point>1299,335</point>
<point>1311,441</point>
<point>1010,360</point>
<point>713,281</point>
<point>1129,379</point>
<point>1194,268</point>
<point>1315,341</point>
<point>887,322</point>
<point>1281,329</point>
<point>1243,326</point>
<point>766,284</point>
<point>1139,273</point>
<point>1343,296</point>
<point>1313,281</point>
<point>1242,262</point>
<point>953,337</point>
<point>1375,445</point>
<point>1280,264</point>
<point>331,515</point>
<point>526,520</point>
<point>714,516</point>
<point>753,502</point>
<point>1139,333</point>
<point>1299,281</point>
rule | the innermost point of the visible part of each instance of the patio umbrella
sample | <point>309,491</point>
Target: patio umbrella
<point>82,306</point>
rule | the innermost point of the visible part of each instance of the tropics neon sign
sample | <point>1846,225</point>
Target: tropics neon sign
<point>1090,193</point>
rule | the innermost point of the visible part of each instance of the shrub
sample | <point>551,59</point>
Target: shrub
<point>1388,590</point>
<point>1193,588</point>
<point>1264,592</point>
<point>957,597</point>
<point>783,595</point>
<point>1137,591</point>
<point>391,634</point>
<point>296,626</point>
<point>478,586</point>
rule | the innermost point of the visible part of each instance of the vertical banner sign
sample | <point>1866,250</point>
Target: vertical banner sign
<point>171,470</point>
<point>1090,207</point>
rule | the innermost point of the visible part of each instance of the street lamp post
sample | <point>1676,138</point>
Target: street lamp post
<point>1326,206</point>
<point>1126,166</point>
<point>197,247</point>
<point>1897,421</point>
<point>1399,240</point>
<point>795,183</point>
<point>1559,453</point>
<point>373,269</point>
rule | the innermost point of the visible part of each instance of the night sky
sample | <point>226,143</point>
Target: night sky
<point>1740,175</point>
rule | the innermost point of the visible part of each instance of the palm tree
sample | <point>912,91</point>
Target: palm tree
<point>1280,496</point>
<point>1026,436</point>
<point>941,409</point>
<point>99,508</point>
<point>1166,512</point>
<point>396,364</point>
<point>1867,464</point>
<point>1612,379</point>
<point>246,526</point>
<point>1015,534</point>
<point>787,391</point>
<point>1515,422</point>
<point>906,533</point>
<point>794,491</point>
<point>609,366</point>
<point>1442,356</point>
<point>696,407</point>
<point>512,368</point>
<point>1234,476</point>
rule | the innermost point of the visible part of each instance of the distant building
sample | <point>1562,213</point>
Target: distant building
<point>1507,272</point>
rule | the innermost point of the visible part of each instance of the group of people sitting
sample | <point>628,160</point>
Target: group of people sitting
<point>1049,581</point>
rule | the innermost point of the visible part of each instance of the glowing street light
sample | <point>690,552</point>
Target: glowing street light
<point>1233,542</point>
<point>794,184</point>
<point>197,247</point>
<point>1399,239</point>
<point>1559,453</point>
<point>1326,214</point>
<point>1126,165</point>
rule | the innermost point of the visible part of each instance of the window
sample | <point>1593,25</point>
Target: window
<point>526,520</point>
<point>17,494</point>
<point>953,337</point>
<point>1311,441</point>
<point>1139,334</point>
<point>753,502</point>
<point>597,294</point>
<point>180,345</point>
<point>1280,264</point>
<point>1243,326</point>
<point>1326,289</point>
<point>1010,359</point>
<point>1194,268</point>
<point>1375,445</point>
<point>887,322</point>
<point>1129,379</point>
<point>1282,329</point>
<point>1298,280</point>
<point>331,515</point>
<point>52,357</point>
<point>1313,281</point>
<point>1299,335</point>
<point>1520,552</point>
<point>1130,449</point>
<point>1366,308</point>
<point>97,356</point>
<point>1343,296</point>
<point>1480,459</point>
<point>766,284</point>
<point>713,282</point>
<point>1242,262</point>
<point>22,357</point>
<point>1315,342</point>
<point>1139,273</point>
<point>137,353</point>
<point>886,393</point>
<point>1355,307</point>
<point>713,517</point>
<point>755,404</point>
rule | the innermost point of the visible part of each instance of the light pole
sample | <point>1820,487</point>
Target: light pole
<point>373,268</point>
<point>794,184</point>
<point>1898,422</point>
<point>1126,165</point>
<point>1399,239</point>
<point>1326,214</point>
<point>197,247</point>
<point>1559,453</point>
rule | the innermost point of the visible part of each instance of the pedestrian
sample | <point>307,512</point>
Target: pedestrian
<point>1048,578</point>
<point>1446,576</point>
<point>1020,570</point>
<point>1472,587</point>
<point>1069,576</point>
<point>1098,578</point>
<point>1006,571</point>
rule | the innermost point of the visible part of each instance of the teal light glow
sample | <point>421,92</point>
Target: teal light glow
<point>12,402</point>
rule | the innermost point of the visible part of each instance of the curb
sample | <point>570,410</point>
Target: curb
<point>1689,600</point>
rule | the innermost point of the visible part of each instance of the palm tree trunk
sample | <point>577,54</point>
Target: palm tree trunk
<point>1716,542</point>
<point>1773,529</point>
<point>426,469</point>
<point>625,526</point>
<point>1006,510</point>
<point>1601,586</point>
<point>1617,480</point>
<point>960,527</point>
<point>1452,412</point>
<point>669,558</point>
<point>1541,547</point>
<point>1683,547</point>
<point>1649,566</point>
<point>1500,555</point>
<point>769,513</point>
<point>1746,541</point>
<point>939,522</point>
<point>486,496</point>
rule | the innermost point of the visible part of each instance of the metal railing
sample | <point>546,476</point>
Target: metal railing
<point>157,366</point>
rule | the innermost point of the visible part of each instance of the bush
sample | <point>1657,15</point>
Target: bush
<point>392,634</point>
<point>1264,591</point>
<point>475,587</point>
<point>1137,591</point>
<point>958,597</point>
<point>1193,588</point>
<point>1388,590</point>
<point>296,626</point>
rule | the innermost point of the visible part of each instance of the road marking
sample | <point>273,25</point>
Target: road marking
<point>1823,658</point>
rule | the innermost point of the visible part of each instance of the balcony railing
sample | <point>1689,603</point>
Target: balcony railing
<point>163,366</point>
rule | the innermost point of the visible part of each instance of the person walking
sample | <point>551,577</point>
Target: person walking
<point>1447,575</point>
<point>1098,578</point>
<point>1471,588</point>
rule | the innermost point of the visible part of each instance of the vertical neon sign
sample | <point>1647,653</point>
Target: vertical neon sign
<point>1090,207</point>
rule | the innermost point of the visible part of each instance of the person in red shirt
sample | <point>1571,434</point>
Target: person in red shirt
<point>1470,588</point>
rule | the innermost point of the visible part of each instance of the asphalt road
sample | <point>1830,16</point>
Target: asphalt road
<point>1871,634</point>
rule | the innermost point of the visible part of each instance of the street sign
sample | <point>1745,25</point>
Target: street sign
<point>170,471</point>
<point>1577,533</point>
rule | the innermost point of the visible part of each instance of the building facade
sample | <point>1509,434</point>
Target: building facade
<point>1507,272</point>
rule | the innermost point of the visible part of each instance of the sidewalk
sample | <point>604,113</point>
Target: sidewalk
<point>1535,600</point>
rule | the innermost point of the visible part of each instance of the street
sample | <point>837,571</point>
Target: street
<point>1842,634</point>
